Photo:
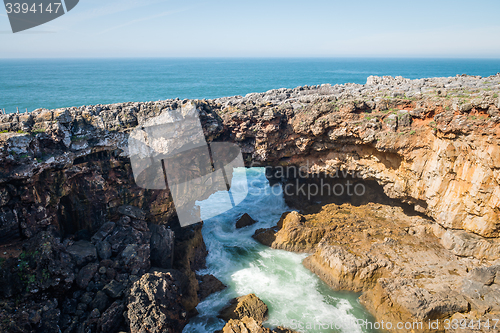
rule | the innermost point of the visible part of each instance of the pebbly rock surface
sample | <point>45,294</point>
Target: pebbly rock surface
<point>250,325</point>
<point>154,305</point>
<point>394,259</point>
<point>245,314</point>
<point>244,306</point>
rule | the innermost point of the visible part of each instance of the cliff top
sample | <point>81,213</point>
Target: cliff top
<point>461,105</point>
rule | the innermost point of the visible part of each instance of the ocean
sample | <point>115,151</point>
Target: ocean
<point>54,83</point>
<point>296,298</point>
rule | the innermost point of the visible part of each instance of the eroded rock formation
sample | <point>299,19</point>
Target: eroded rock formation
<point>432,143</point>
<point>429,143</point>
<point>85,285</point>
<point>246,314</point>
<point>394,259</point>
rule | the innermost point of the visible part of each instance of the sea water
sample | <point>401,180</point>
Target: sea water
<point>57,83</point>
<point>295,297</point>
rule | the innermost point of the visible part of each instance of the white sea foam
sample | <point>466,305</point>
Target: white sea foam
<point>293,294</point>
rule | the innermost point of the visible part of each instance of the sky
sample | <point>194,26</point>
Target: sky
<point>257,28</point>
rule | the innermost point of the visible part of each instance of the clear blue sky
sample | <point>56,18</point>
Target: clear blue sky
<point>257,28</point>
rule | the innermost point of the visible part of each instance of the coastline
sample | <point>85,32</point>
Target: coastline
<point>428,143</point>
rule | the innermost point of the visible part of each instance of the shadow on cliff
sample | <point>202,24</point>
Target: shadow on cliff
<point>309,194</point>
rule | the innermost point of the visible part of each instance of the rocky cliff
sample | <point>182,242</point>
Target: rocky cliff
<point>430,144</point>
<point>395,261</point>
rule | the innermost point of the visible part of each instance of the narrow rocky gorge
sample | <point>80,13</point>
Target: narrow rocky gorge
<point>421,243</point>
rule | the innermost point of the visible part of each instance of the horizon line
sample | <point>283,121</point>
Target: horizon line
<point>257,57</point>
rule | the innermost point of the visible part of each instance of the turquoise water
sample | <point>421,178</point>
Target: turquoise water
<point>293,294</point>
<point>54,83</point>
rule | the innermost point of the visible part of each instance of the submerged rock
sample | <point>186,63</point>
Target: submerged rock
<point>244,221</point>
<point>209,284</point>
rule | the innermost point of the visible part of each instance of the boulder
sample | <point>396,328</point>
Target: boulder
<point>124,235</point>
<point>133,212</point>
<point>265,236</point>
<point>249,305</point>
<point>82,252</point>
<point>135,258</point>
<point>290,234</point>
<point>104,249</point>
<point>19,143</point>
<point>100,301</point>
<point>484,275</point>
<point>482,298</point>
<point>244,221</point>
<point>154,305</point>
<point>86,274</point>
<point>391,121</point>
<point>244,325</point>
<point>103,231</point>
<point>111,319</point>
<point>114,289</point>
<point>404,119</point>
<point>209,284</point>
<point>162,246</point>
<point>183,282</point>
<point>250,325</point>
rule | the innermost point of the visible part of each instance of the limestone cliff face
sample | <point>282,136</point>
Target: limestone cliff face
<point>438,153</point>
<point>432,143</point>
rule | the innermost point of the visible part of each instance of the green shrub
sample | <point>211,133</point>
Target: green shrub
<point>38,130</point>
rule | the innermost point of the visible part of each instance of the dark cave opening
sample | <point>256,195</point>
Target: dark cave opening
<point>78,217</point>
<point>308,192</point>
<point>67,217</point>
